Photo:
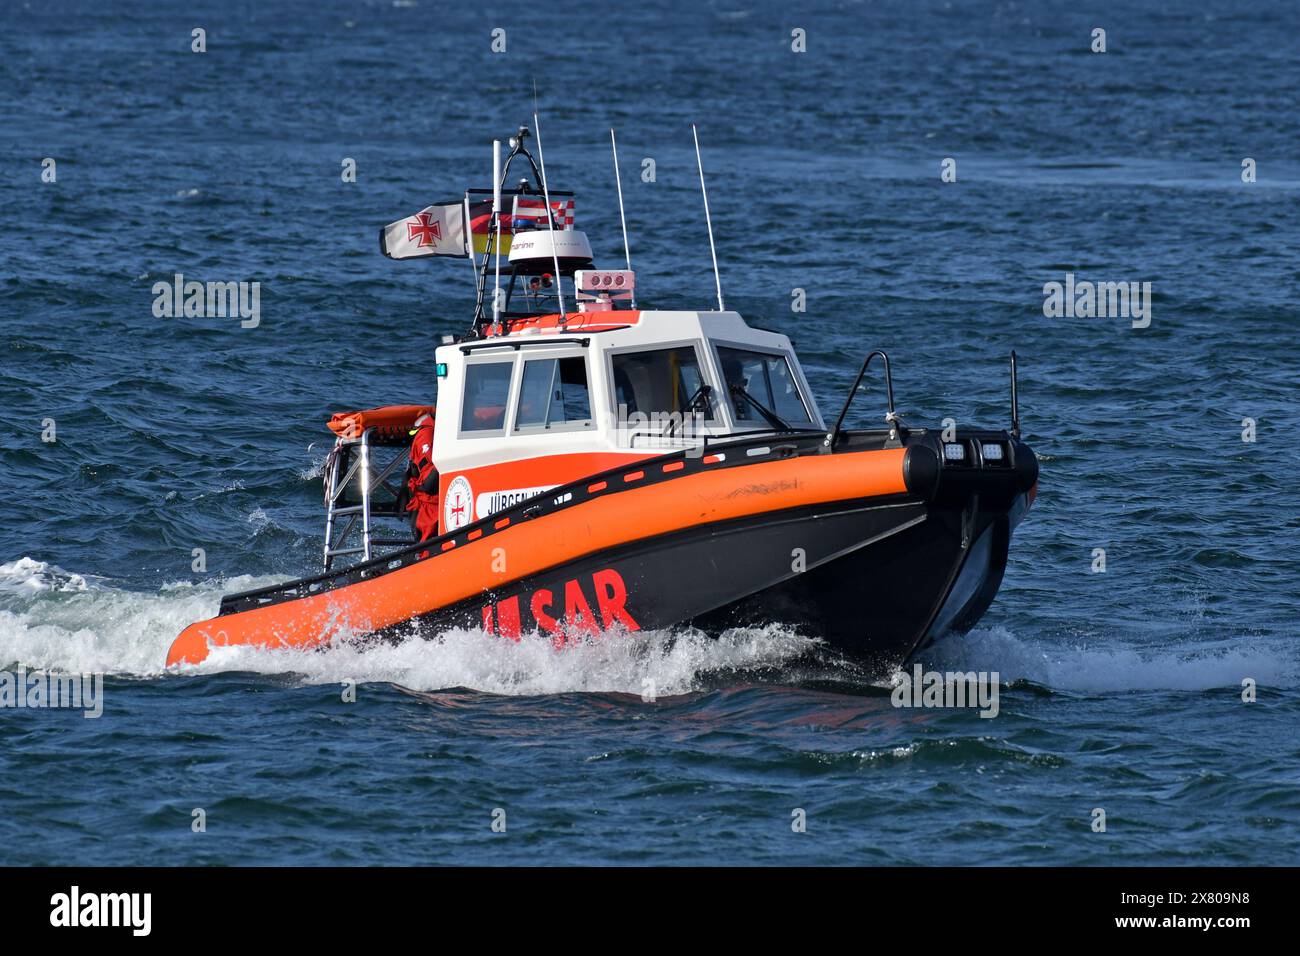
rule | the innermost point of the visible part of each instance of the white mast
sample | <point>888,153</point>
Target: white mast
<point>496,214</point>
<point>708,220</point>
<point>550,218</point>
<point>618,178</point>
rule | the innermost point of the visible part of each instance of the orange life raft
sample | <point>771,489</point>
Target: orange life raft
<point>390,421</point>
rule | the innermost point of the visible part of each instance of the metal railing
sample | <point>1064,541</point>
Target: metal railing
<point>359,471</point>
<point>1015,400</point>
<point>896,430</point>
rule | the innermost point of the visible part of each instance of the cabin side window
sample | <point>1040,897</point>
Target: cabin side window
<point>553,393</point>
<point>659,381</point>
<point>487,392</point>
<point>763,378</point>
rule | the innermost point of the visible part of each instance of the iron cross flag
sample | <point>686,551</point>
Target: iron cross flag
<point>433,231</point>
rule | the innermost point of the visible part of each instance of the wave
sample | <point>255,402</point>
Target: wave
<point>1118,665</point>
<point>662,663</point>
<point>29,576</point>
<point>57,620</point>
<point>52,619</point>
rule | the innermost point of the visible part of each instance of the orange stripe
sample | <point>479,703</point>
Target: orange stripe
<point>552,539</point>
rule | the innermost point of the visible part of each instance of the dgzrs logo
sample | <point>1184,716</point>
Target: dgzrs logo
<point>458,509</point>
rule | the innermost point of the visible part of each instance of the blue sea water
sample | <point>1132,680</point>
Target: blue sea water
<point>1120,690</point>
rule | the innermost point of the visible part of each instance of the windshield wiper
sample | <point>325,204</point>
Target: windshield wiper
<point>772,418</point>
<point>701,394</point>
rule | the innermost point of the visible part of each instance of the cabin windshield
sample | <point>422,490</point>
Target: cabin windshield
<point>659,381</point>
<point>764,378</point>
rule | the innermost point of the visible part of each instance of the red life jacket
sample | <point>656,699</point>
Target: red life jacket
<point>422,482</point>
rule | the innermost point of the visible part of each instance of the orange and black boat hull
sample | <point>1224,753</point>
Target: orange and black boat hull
<point>875,549</point>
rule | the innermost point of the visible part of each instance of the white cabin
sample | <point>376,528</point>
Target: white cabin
<point>545,403</point>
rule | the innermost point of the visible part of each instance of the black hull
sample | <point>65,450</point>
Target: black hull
<point>876,579</point>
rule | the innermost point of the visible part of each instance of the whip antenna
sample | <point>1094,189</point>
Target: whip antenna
<point>618,178</point>
<point>496,215</point>
<point>707,218</point>
<point>550,218</point>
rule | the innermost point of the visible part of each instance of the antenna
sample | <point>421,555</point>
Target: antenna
<point>618,178</point>
<point>707,218</point>
<point>1015,400</point>
<point>496,215</point>
<point>550,218</point>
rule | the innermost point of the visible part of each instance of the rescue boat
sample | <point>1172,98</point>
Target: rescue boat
<point>606,470</point>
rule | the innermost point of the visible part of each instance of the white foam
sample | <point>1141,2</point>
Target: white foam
<point>27,575</point>
<point>1117,665</point>
<point>58,620</point>
<point>660,663</point>
<point>316,469</point>
<point>53,620</point>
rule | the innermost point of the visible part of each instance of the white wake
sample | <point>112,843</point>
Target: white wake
<point>51,619</point>
<point>1115,664</point>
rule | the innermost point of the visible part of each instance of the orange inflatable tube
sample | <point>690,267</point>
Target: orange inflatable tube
<point>606,521</point>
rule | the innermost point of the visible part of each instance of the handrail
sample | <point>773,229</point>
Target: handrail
<point>1015,402</point>
<point>499,342</point>
<point>361,473</point>
<point>895,427</point>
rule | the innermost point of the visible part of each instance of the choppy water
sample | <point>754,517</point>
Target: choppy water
<point>1121,690</point>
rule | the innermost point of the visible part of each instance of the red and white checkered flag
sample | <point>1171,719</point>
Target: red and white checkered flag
<point>563,210</point>
<point>531,211</point>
